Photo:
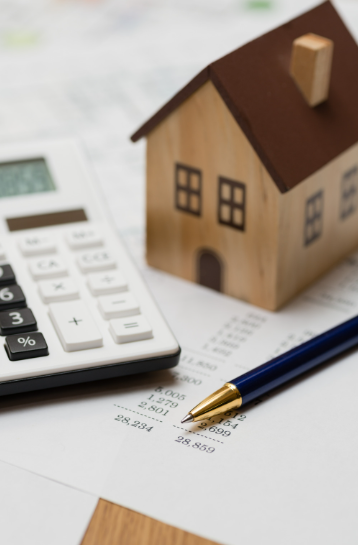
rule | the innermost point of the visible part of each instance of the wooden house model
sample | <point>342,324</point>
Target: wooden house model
<point>252,168</point>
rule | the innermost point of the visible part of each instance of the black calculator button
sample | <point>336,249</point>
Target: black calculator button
<point>12,297</point>
<point>7,275</point>
<point>24,346</point>
<point>18,320</point>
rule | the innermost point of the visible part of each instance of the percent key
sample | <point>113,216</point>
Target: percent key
<point>21,347</point>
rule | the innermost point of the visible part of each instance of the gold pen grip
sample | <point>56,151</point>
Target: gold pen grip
<point>226,398</point>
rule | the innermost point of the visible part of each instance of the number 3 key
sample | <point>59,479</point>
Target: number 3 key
<point>17,321</point>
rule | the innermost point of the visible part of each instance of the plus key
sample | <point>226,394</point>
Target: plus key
<point>75,326</point>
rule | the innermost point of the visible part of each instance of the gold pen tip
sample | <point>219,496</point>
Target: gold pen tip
<point>187,418</point>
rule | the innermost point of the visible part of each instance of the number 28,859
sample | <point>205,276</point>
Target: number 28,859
<point>198,446</point>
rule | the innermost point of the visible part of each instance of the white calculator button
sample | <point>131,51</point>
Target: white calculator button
<point>47,267</point>
<point>104,283</point>
<point>126,330</point>
<point>83,238</point>
<point>118,306</point>
<point>36,245</point>
<point>61,289</point>
<point>75,326</point>
<point>95,260</point>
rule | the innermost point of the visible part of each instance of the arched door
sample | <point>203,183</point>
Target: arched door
<point>209,270</point>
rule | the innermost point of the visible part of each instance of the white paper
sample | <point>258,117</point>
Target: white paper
<point>286,473</point>
<point>38,511</point>
<point>290,455</point>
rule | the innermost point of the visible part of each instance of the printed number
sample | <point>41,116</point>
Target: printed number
<point>16,318</point>
<point>158,410</point>
<point>227,423</point>
<point>185,378</point>
<point>222,422</point>
<point>220,431</point>
<point>170,393</point>
<point>237,416</point>
<point>6,295</point>
<point>140,425</point>
<point>166,402</point>
<point>198,446</point>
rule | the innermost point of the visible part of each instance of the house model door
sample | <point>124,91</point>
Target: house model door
<point>209,270</point>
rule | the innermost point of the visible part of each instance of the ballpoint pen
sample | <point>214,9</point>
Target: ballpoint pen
<point>274,373</point>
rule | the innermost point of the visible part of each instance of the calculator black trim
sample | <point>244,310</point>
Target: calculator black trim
<point>90,374</point>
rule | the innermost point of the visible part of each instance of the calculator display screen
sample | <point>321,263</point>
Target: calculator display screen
<point>25,177</point>
<point>46,220</point>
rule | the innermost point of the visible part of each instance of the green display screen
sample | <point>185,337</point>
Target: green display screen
<point>24,178</point>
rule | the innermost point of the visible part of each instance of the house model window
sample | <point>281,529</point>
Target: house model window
<point>188,189</point>
<point>314,213</point>
<point>231,209</point>
<point>349,192</point>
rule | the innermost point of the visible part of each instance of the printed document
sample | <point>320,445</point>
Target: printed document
<point>280,471</point>
<point>289,457</point>
<point>39,511</point>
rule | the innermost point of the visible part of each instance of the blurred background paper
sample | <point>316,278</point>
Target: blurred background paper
<point>38,511</point>
<point>97,69</point>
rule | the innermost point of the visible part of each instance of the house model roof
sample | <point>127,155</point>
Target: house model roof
<point>292,139</point>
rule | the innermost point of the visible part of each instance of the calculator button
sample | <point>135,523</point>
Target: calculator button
<point>75,326</point>
<point>23,346</point>
<point>47,267</point>
<point>36,245</point>
<point>2,252</point>
<point>118,306</point>
<point>105,283</point>
<point>7,275</point>
<point>20,320</point>
<point>17,321</point>
<point>126,330</point>
<point>12,297</point>
<point>77,239</point>
<point>61,289</point>
<point>95,260</point>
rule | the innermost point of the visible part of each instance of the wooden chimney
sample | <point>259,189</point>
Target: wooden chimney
<point>310,67</point>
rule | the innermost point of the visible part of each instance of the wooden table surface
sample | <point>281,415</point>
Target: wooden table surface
<point>112,524</point>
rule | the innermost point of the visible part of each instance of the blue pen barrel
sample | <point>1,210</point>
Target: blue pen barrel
<point>291,364</point>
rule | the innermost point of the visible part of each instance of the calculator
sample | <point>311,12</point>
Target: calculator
<point>73,306</point>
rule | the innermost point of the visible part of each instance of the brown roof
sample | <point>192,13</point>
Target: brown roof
<point>291,139</point>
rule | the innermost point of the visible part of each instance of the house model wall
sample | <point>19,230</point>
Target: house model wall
<point>250,190</point>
